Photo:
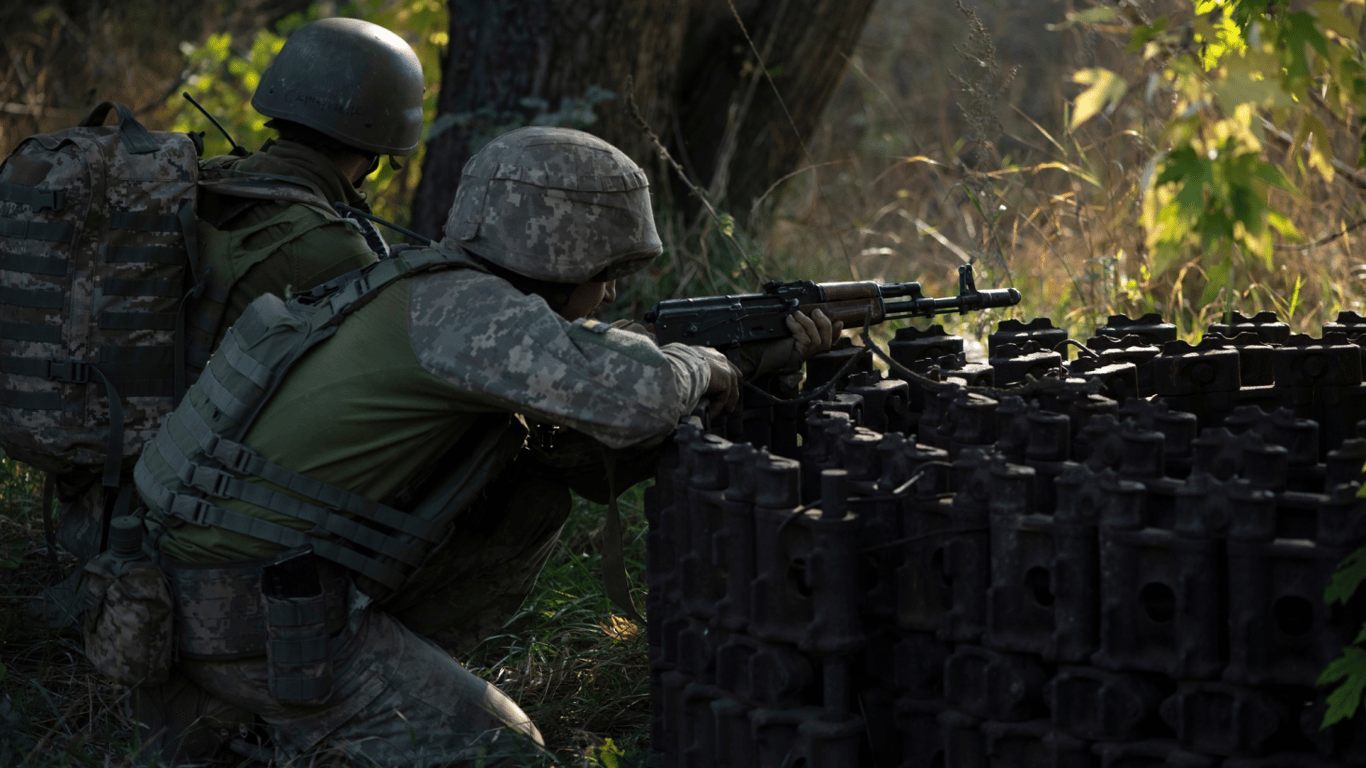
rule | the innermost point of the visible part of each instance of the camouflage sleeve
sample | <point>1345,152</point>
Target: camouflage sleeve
<point>505,350</point>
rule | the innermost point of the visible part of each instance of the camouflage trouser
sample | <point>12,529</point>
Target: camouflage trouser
<point>478,578</point>
<point>397,697</point>
<point>397,700</point>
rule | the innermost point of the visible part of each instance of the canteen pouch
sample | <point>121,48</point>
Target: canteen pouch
<point>129,620</point>
<point>297,653</point>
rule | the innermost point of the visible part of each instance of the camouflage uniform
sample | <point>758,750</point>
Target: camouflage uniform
<point>375,410</point>
<point>410,390</point>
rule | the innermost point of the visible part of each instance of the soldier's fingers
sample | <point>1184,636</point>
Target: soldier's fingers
<point>803,331</point>
<point>825,328</point>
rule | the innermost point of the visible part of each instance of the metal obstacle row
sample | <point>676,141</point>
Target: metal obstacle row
<point>1117,560</point>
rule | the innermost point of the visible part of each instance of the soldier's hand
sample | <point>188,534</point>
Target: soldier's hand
<point>810,336</point>
<point>724,388</point>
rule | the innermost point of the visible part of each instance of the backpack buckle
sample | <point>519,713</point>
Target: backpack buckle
<point>68,371</point>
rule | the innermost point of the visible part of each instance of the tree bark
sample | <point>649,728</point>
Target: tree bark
<point>692,72</point>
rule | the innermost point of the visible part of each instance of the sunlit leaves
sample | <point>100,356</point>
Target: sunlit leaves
<point>1104,90</point>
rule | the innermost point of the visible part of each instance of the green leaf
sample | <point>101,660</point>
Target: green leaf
<point>1350,668</point>
<point>1349,575</point>
<point>1361,636</point>
<point>1217,278</point>
<point>1106,89</point>
<point>1299,34</point>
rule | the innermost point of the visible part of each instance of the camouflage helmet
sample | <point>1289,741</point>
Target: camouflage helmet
<point>349,79</point>
<point>555,204</point>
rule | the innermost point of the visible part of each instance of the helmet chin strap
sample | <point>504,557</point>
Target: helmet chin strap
<point>374,164</point>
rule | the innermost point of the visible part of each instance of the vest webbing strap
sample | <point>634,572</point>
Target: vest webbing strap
<point>245,364</point>
<point>137,321</point>
<point>45,334</point>
<point>222,399</point>
<point>36,230</point>
<point>33,265</point>
<point>198,511</point>
<point>144,222</point>
<point>223,485</point>
<point>34,198</point>
<point>239,458</point>
<point>23,297</point>
<point>150,254</point>
<point>120,287</point>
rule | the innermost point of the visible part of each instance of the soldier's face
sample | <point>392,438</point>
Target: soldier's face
<point>586,299</point>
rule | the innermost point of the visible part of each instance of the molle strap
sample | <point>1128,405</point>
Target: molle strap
<point>34,198</point>
<point>121,287</point>
<point>140,221</point>
<point>32,401</point>
<point>137,321</point>
<point>36,230</point>
<point>222,399</point>
<point>144,254</point>
<point>23,297</point>
<point>33,265</point>
<point>43,334</point>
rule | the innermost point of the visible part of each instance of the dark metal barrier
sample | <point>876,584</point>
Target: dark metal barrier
<point>1113,560</point>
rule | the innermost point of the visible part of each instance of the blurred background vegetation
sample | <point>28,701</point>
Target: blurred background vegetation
<point>1103,156</point>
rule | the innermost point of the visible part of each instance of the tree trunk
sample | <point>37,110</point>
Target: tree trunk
<point>692,73</point>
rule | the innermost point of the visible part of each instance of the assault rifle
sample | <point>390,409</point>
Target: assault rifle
<point>728,321</point>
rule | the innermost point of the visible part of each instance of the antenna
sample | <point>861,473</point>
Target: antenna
<point>401,230</point>
<point>236,148</point>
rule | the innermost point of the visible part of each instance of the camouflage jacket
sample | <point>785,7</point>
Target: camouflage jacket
<point>437,358</point>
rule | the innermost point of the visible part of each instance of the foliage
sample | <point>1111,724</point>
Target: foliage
<point>1231,75</point>
<point>225,72</point>
<point>1348,671</point>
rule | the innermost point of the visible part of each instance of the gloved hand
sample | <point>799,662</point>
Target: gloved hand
<point>810,336</point>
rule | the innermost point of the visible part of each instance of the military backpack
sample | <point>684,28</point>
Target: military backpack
<point>99,251</point>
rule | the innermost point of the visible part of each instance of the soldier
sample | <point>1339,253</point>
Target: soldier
<point>341,93</point>
<point>423,448</point>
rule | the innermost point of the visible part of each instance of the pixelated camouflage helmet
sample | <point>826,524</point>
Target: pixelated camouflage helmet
<point>555,204</point>
<point>349,79</point>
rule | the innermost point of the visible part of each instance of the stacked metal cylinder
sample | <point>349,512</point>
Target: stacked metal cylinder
<point>1118,560</point>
